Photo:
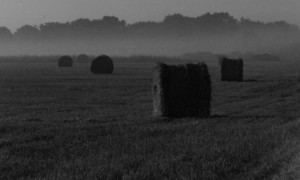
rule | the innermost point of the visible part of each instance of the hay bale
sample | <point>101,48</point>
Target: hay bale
<point>83,58</point>
<point>231,69</point>
<point>65,61</point>
<point>181,91</point>
<point>102,65</point>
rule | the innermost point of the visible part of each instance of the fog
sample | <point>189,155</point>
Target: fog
<point>149,46</point>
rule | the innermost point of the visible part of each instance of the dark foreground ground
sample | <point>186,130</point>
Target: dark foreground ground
<point>66,123</point>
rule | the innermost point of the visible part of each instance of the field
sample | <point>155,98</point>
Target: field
<point>66,123</point>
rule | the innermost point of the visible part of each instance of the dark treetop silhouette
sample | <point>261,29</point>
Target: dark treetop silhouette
<point>173,25</point>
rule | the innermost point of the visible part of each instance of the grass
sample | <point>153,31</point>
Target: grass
<point>66,123</point>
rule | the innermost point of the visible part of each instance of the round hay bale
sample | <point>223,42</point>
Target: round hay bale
<point>83,58</point>
<point>181,90</point>
<point>102,65</point>
<point>231,69</point>
<point>65,61</point>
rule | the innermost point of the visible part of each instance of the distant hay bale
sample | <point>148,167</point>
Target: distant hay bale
<point>231,69</point>
<point>65,61</point>
<point>102,65</point>
<point>83,58</point>
<point>181,91</point>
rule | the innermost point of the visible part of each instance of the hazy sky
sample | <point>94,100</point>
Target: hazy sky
<point>15,13</point>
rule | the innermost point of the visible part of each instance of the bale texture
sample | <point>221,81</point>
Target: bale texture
<point>83,58</point>
<point>65,61</point>
<point>102,65</point>
<point>181,91</point>
<point>231,69</point>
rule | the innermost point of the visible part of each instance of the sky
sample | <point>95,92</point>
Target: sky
<point>15,13</point>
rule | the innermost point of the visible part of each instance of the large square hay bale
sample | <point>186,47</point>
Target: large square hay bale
<point>231,69</point>
<point>181,91</point>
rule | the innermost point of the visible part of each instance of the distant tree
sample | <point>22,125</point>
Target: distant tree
<point>246,23</point>
<point>111,22</point>
<point>80,28</point>
<point>218,23</point>
<point>5,33</point>
<point>51,26</point>
<point>179,25</point>
<point>175,19</point>
<point>173,26</point>
<point>27,32</point>
<point>218,18</point>
<point>54,30</point>
<point>80,23</point>
<point>282,25</point>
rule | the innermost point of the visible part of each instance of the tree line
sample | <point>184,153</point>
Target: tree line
<point>176,25</point>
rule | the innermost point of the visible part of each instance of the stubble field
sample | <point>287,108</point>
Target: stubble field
<point>66,123</point>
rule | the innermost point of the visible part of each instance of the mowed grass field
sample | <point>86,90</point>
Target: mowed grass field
<point>66,123</point>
